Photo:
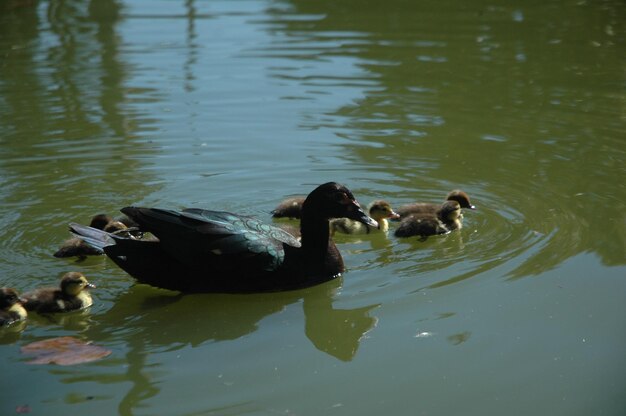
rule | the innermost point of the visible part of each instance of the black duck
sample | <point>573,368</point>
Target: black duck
<point>197,250</point>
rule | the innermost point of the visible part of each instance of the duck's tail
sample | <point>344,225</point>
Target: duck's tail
<point>94,237</point>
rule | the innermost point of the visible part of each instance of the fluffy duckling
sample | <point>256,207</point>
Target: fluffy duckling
<point>100,221</point>
<point>69,297</point>
<point>379,210</point>
<point>11,309</point>
<point>114,226</point>
<point>75,247</point>
<point>447,218</point>
<point>289,208</point>
<point>430,208</point>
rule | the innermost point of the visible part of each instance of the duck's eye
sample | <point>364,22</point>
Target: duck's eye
<point>342,198</point>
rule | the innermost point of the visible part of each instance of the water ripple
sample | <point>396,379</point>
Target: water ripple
<point>496,238</point>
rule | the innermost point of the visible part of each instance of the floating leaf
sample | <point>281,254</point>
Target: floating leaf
<point>22,409</point>
<point>63,351</point>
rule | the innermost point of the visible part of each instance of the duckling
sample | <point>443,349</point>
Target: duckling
<point>100,221</point>
<point>11,309</point>
<point>447,218</point>
<point>114,226</point>
<point>429,208</point>
<point>289,208</point>
<point>75,247</point>
<point>71,295</point>
<point>378,210</point>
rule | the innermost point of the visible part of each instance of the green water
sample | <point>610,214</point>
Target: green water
<point>234,105</point>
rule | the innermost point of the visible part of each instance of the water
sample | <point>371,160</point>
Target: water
<point>235,105</point>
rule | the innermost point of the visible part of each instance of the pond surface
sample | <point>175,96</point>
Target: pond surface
<point>235,105</point>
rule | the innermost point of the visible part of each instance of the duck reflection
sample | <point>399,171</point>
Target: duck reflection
<point>337,332</point>
<point>12,333</point>
<point>149,320</point>
<point>163,319</point>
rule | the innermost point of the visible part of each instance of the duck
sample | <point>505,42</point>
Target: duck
<point>70,296</point>
<point>75,247</point>
<point>289,208</point>
<point>11,308</point>
<point>431,208</point>
<point>100,221</point>
<point>198,250</point>
<point>379,210</point>
<point>115,226</point>
<point>447,218</point>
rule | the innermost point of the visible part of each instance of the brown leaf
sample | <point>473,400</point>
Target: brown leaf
<point>22,409</point>
<point>63,351</point>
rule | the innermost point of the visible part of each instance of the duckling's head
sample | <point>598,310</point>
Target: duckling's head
<point>100,221</point>
<point>114,226</point>
<point>461,197</point>
<point>381,210</point>
<point>450,211</point>
<point>332,200</point>
<point>73,283</point>
<point>8,298</point>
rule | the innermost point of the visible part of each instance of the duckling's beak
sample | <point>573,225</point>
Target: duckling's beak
<point>393,215</point>
<point>90,286</point>
<point>472,207</point>
<point>359,215</point>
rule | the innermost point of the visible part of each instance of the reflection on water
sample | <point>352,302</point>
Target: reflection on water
<point>167,319</point>
<point>551,185</point>
<point>152,321</point>
<point>65,126</point>
<point>235,105</point>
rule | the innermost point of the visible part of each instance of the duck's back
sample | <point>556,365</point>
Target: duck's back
<point>75,247</point>
<point>51,300</point>
<point>424,225</point>
<point>418,208</point>
<point>202,250</point>
<point>289,208</point>
<point>215,239</point>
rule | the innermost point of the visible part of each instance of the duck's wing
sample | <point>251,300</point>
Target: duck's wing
<point>249,226</point>
<point>215,240</point>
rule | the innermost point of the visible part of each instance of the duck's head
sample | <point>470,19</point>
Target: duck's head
<point>450,211</point>
<point>100,221</point>
<point>461,197</point>
<point>8,298</point>
<point>73,283</point>
<point>332,200</point>
<point>381,210</point>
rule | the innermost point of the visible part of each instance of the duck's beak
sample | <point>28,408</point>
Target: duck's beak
<point>472,207</point>
<point>359,215</point>
<point>90,286</point>
<point>393,215</point>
